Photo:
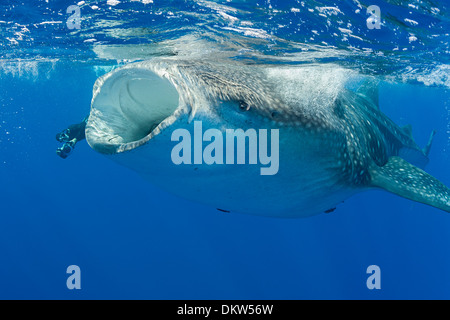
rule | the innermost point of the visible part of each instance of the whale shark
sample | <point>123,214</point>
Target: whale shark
<point>331,143</point>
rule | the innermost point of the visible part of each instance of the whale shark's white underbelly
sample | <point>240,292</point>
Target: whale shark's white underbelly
<point>308,180</point>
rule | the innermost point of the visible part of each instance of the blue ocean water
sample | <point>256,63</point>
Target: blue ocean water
<point>134,241</point>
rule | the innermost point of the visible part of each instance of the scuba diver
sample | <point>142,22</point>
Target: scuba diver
<point>70,137</point>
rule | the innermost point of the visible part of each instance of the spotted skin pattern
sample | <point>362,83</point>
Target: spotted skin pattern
<point>335,142</point>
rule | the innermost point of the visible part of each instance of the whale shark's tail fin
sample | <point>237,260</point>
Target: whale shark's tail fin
<point>427,148</point>
<point>415,155</point>
<point>402,178</point>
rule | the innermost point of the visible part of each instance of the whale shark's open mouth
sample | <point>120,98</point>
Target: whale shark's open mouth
<point>128,104</point>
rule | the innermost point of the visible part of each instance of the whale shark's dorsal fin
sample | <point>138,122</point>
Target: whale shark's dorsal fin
<point>408,130</point>
<point>370,89</point>
<point>402,178</point>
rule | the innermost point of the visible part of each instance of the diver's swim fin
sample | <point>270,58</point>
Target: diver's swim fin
<point>402,178</point>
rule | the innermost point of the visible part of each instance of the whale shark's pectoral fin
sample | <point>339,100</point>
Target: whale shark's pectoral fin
<point>404,179</point>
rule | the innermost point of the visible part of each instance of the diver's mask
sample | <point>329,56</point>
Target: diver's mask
<point>63,136</point>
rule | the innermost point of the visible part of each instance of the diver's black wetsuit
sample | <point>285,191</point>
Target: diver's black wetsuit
<point>70,137</point>
<point>77,131</point>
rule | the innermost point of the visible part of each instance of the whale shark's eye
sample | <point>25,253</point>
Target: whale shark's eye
<point>243,106</point>
<point>274,114</point>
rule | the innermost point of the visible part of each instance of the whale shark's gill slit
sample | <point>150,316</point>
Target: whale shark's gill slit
<point>128,106</point>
